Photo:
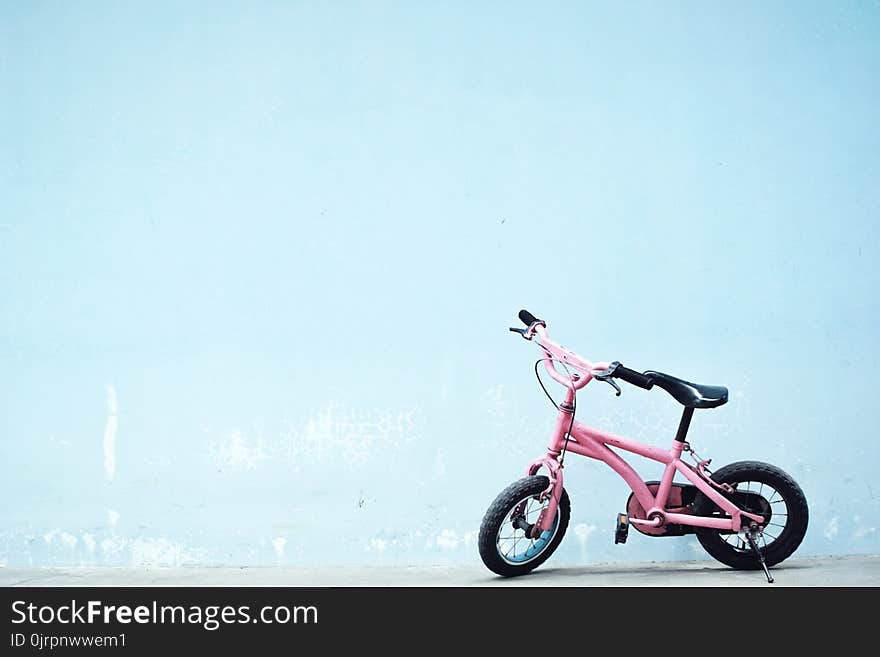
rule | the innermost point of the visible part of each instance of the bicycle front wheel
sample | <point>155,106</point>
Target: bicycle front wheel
<point>504,546</point>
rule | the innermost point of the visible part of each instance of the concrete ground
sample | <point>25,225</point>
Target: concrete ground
<point>833,571</point>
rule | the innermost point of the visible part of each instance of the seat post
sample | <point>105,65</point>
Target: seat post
<point>686,415</point>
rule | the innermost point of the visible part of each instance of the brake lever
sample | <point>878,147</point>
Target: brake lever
<point>605,375</point>
<point>521,331</point>
<point>613,385</point>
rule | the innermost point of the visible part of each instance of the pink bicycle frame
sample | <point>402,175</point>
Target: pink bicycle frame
<point>594,443</point>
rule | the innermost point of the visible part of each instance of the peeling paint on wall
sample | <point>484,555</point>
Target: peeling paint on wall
<point>447,540</point>
<point>831,529</point>
<point>110,428</point>
<point>68,540</point>
<point>583,532</point>
<point>236,451</point>
<point>862,530</point>
<point>89,543</point>
<point>351,436</point>
<point>336,432</point>
<point>163,551</point>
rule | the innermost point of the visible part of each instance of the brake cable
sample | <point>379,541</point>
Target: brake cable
<point>555,405</point>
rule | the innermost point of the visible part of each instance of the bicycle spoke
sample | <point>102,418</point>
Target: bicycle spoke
<point>510,537</point>
<point>513,548</point>
<point>768,495</point>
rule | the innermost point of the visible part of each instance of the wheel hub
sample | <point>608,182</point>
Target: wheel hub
<point>520,522</point>
<point>754,503</point>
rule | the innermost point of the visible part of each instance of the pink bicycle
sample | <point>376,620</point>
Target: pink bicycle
<point>747,515</point>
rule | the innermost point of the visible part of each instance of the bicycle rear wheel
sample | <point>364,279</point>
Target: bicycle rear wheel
<point>765,490</point>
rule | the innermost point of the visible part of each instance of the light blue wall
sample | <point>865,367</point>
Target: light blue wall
<point>258,261</point>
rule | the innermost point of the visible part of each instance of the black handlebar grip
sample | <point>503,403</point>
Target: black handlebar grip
<point>527,318</point>
<point>633,377</point>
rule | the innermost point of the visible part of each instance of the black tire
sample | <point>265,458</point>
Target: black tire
<point>499,512</point>
<point>790,534</point>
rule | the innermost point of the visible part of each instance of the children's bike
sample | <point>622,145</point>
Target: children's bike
<point>747,515</point>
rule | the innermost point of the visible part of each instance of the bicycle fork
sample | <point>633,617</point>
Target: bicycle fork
<point>553,492</point>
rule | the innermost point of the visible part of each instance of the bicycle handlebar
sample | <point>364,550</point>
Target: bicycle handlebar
<point>556,353</point>
<point>527,318</point>
<point>633,377</point>
<point>588,370</point>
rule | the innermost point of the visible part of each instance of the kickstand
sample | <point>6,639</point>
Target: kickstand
<point>754,546</point>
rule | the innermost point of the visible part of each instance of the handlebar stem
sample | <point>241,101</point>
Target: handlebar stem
<point>576,363</point>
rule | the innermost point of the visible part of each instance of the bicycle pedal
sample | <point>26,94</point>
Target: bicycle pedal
<point>622,530</point>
